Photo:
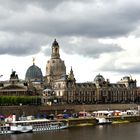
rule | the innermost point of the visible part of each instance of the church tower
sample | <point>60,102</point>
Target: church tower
<point>55,68</point>
<point>71,75</point>
<point>55,50</point>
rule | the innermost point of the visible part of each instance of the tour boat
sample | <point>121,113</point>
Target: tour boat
<point>102,121</point>
<point>33,125</point>
<point>45,124</point>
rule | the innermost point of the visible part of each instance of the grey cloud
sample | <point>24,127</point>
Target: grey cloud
<point>21,44</point>
<point>45,4</point>
<point>89,47</point>
<point>47,51</point>
<point>125,68</point>
<point>85,47</point>
<point>86,19</point>
<point>131,70</point>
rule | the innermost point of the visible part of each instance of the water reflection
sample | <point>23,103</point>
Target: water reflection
<point>106,132</point>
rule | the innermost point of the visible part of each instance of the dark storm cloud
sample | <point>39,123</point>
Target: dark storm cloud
<point>92,19</point>
<point>20,45</point>
<point>69,18</point>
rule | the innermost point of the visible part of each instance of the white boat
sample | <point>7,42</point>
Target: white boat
<point>31,125</point>
<point>45,124</point>
<point>102,121</point>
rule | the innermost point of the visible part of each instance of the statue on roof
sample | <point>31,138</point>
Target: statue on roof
<point>33,60</point>
<point>13,75</point>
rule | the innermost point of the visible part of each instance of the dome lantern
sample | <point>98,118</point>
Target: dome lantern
<point>99,78</point>
<point>55,50</point>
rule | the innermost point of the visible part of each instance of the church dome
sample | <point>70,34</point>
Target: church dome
<point>34,73</point>
<point>56,67</point>
<point>99,78</point>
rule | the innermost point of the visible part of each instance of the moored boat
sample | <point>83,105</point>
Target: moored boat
<point>31,125</point>
<point>102,121</point>
<point>45,124</point>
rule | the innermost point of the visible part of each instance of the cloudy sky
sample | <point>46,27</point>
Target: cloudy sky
<point>95,36</point>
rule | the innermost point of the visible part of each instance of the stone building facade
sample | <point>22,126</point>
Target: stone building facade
<point>13,87</point>
<point>101,91</point>
<point>67,91</point>
<point>57,87</point>
<point>19,92</point>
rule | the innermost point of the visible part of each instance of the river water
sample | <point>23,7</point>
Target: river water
<point>129,131</point>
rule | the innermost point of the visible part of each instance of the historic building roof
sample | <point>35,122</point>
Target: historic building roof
<point>85,85</point>
<point>99,78</point>
<point>34,74</point>
<point>13,87</point>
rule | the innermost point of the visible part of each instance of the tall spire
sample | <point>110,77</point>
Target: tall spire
<point>71,71</point>
<point>71,75</point>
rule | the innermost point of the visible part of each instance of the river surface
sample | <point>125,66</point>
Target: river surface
<point>106,132</point>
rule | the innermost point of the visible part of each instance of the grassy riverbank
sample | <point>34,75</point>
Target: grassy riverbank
<point>92,121</point>
<point>120,122</point>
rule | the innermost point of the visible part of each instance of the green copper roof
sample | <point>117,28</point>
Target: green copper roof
<point>34,73</point>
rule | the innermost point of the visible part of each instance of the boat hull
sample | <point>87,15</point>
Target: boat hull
<point>103,121</point>
<point>21,129</point>
<point>48,128</point>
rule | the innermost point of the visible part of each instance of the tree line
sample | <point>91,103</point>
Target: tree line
<point>20,100</point>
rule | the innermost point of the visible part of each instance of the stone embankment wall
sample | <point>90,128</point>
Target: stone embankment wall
<point>56,109</point>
